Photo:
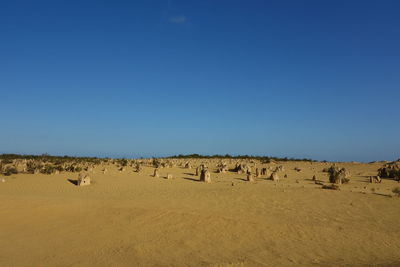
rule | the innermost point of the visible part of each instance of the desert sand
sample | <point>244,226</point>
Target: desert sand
<point>134,219</point>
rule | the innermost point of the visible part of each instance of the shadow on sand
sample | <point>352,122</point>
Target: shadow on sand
<point>74,182</point>
<point>191,179</point>
<point>384,195</point>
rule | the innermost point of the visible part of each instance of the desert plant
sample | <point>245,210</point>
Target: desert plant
<point>77,169</point>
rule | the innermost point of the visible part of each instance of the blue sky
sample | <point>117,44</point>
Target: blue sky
<point>316,79</point>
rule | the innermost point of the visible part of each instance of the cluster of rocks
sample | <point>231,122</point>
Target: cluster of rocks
<point>205,176</point>
<point>222,167</point>
<point>36,166</point>
<point>338,175</point>
<point>242,166</point>
<point>390,170</point>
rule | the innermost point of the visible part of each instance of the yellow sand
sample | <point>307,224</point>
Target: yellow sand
<point>130,219</point>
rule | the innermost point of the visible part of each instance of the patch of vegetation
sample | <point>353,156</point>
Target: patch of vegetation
<point>59,160</point>
<point>8,158</point>
<point>227,156</point>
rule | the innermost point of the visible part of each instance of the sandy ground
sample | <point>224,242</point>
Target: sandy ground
<point>131,219</point>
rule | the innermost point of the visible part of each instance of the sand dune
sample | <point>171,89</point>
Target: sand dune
<point>134,219</point>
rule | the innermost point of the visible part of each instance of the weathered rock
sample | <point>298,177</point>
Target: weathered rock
<point>297,169</point>
<point>337,176</point>
<point>242,168</point>
<point>274,176</point>
<point>390,170</point>
<point>138,168</point>
<point>222,170</point>
<point>250,177</point>
<point>205,176</point>
<point>375,179</point>
<point>83,179</point>
<point>280,168</point>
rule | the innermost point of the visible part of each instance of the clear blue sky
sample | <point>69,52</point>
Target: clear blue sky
<point>317,79</point>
